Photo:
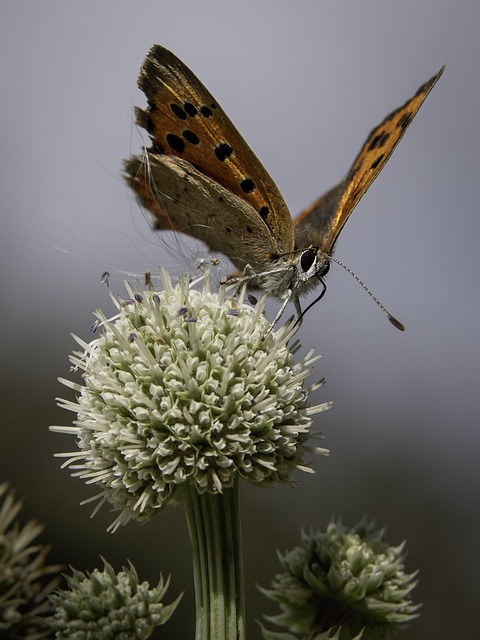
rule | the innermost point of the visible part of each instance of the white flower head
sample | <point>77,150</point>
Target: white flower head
<point>187,385</point>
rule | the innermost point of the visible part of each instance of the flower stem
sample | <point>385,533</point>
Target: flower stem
<point>214,526</point>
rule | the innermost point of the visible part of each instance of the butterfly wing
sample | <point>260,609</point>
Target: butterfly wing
<point>317,218</point>
<point>185,121</point>
<point>330,212</point>
<point>191,202</point>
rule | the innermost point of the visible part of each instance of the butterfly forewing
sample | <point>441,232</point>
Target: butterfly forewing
<point>370,161</point>
<point>184,120</point>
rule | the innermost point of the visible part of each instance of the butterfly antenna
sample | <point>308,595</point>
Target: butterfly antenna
<point>396,323</point>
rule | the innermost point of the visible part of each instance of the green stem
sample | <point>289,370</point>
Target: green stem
<point>214,526</point>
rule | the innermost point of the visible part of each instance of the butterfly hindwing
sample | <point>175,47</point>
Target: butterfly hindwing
<point>317,218</point>
<point>185,200</point>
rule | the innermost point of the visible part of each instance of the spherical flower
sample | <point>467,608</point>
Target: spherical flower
<point>187,386</point>
<point>103,605</point>
<point>347,578</point>
<point>25,579</point>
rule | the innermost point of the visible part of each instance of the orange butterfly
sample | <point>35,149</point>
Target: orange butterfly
<point>201,178</point>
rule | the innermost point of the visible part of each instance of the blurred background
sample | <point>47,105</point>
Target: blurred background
<point>304,83</point>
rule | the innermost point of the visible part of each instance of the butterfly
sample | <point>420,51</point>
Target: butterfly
<point>201,178</point>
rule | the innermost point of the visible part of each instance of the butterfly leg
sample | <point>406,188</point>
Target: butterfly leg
<point>240,278</point>
<point>249,274</point>
<point>286,300</point>
<point>298,309</point>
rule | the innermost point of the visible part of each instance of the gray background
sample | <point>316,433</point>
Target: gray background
<point>305,83</point>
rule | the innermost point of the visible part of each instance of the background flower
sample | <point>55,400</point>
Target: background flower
<point>109,606</point>
<point>348,578</point>
<point>25,580</point>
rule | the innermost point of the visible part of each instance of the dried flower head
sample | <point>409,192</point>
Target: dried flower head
<point>187,386</point>
<point>104,605</point>
<point>24,585</point>
<point>348,578</point>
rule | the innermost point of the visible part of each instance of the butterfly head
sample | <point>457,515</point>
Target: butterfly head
<point>290,276</point>
<point>310,265</point>
<point>294,274</point>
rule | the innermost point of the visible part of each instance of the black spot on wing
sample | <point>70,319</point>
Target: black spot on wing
<point>190,136</point>
<point>379,140</point>
<point>247,185</point>
<point>176,143</point>
<point>190,109</point>
<point>205,111</point>
<point>405,120</point>
<point>377,161</point>
<point>178,111</point>
<point>223,151</point>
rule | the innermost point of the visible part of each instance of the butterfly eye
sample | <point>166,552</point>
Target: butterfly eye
<point>307,258</point>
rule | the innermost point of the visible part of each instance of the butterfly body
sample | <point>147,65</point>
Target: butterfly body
<point>201,178</point>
